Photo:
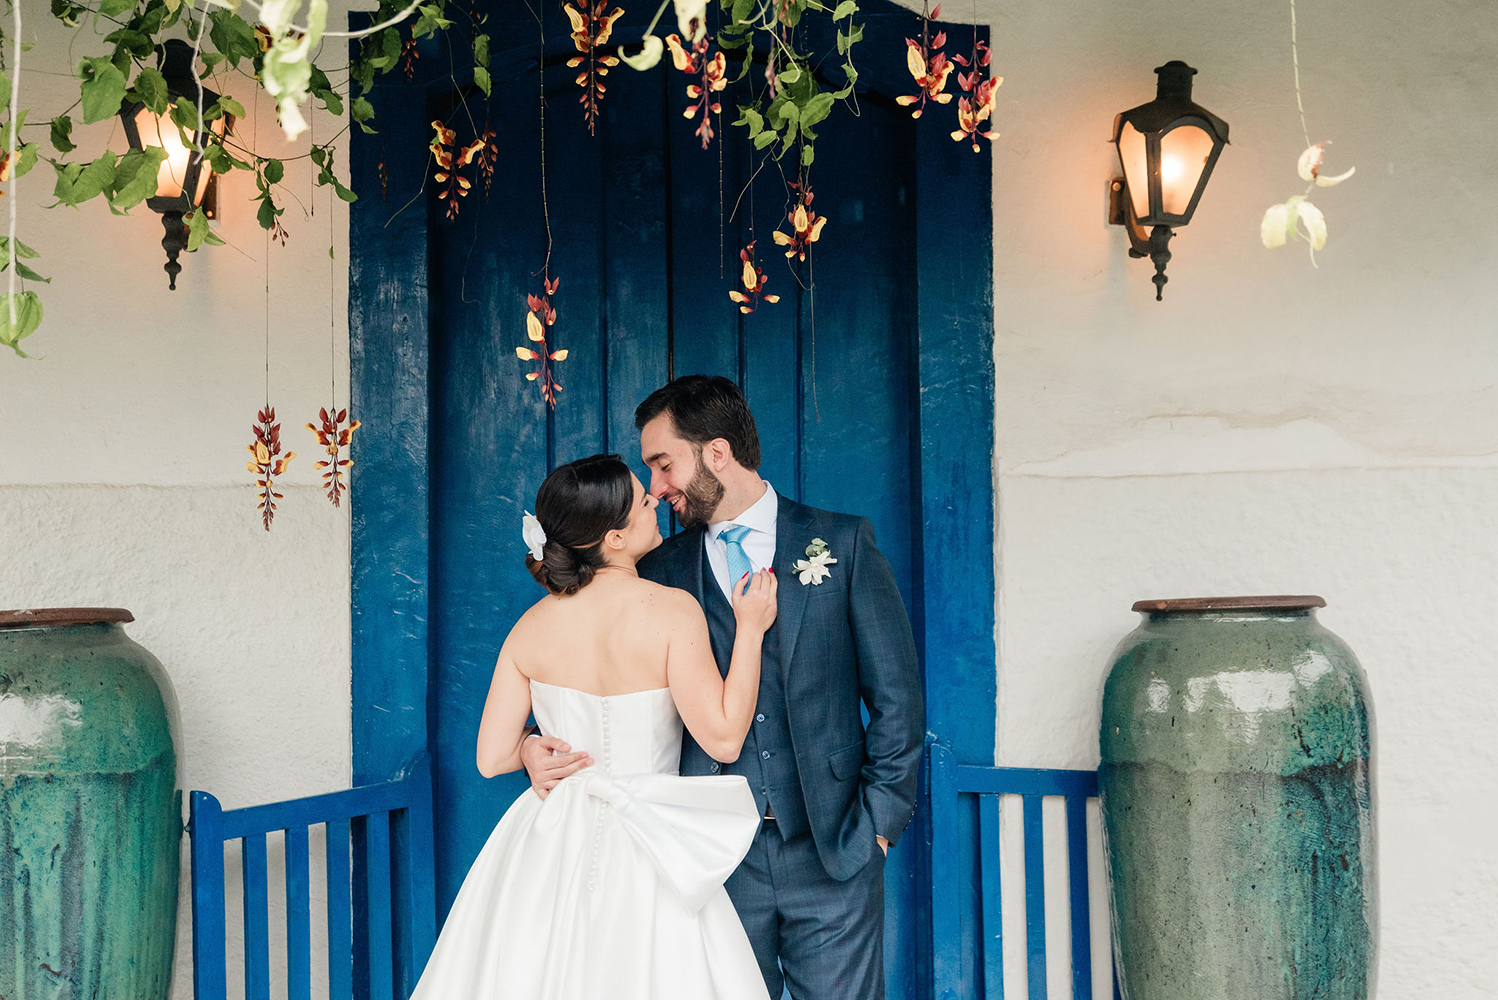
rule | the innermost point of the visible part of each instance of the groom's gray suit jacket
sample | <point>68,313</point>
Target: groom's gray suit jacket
<point>834,646</point>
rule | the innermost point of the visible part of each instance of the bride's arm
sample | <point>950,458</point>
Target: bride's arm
<point>718,711</point>
<point>502,729</point>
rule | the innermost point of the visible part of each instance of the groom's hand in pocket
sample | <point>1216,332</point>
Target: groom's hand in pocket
<point>548,760</point>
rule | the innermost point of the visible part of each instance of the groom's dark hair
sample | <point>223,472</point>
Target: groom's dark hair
<point>704,407</point>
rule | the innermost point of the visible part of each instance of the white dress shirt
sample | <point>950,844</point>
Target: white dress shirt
<point>759,544</point>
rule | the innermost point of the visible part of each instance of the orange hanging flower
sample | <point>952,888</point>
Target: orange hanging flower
<point>928,65</point>
<point>977,107</point>
<point>450,162</point>
<point>267,462</point>
<point>538,323</point>
<point>930,72</point>
<point>714,78</point>
<point>332,438</point>
<point>806,226</point>
<point>754,280</point>
<point>592,24</point>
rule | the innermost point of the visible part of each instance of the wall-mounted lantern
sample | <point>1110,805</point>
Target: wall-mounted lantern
<point>1167,149</point>
<point>182,182</point>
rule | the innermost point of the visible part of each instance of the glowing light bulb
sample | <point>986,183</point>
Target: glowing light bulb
<point>1171,170</point>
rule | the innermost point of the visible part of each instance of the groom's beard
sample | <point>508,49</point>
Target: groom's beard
<point>699,501</point>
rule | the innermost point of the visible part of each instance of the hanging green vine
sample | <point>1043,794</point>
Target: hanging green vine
<point>275,45</point>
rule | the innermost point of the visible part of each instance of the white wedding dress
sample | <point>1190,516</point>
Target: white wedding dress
<point>612,887</point>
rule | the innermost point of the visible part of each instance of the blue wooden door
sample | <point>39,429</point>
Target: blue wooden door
<point>646,233</point>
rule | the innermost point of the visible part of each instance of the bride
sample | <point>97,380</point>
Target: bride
<point>612,887</point>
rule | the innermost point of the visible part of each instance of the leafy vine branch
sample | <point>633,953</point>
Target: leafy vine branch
<point>276,45</point>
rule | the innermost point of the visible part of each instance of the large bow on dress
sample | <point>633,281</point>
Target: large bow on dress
<point>694,830</point>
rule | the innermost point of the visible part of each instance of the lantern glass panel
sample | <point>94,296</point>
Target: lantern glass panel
<point>1184,152</point>
<point>171,175</point>
<point>1135,161</point>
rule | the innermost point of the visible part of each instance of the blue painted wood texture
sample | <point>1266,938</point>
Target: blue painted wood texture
<point>968,954</point>
<point>406,802</point>
<point>876,398</point>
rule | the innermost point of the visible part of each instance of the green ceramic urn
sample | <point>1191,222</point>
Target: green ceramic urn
<point>90,821</point>
<point>1237,791</point>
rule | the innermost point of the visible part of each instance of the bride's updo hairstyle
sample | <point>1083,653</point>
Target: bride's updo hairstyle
<point>577,505</point>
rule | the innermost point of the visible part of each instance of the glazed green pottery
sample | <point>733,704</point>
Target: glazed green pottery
<point>90,819</point>
<point>1237,800</point>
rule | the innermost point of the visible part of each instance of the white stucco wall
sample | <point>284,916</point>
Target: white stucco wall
<point>122,455</point>
<point>1269,427</point>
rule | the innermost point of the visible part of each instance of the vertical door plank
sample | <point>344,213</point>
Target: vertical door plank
<point>636,263</point>
<point>491,447</point>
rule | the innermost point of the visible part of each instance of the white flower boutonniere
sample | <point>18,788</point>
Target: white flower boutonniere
<point>813,569</point>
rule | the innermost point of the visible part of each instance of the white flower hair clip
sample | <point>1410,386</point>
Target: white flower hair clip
<point>534,535</point>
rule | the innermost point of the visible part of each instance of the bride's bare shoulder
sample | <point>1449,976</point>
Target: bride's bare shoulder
<point>669,602</point>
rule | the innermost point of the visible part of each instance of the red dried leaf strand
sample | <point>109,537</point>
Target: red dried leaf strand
<point>539,320</point>
<point>267,462</point>
<point>334,439</point>
<point>488,158</point>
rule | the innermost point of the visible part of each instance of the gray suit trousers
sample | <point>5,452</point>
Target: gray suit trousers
<point>828,935</point>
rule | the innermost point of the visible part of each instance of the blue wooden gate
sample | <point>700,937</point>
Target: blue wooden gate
<point>873,393</point>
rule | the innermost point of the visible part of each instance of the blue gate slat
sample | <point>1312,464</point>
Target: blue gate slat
<point>949,781</point>
<point>377,869</point>
<point>340,913</point>
<point>209,975</point>
<point>989,864</point>
<point>298,916</point>
<point>256,919</point>
<point>413,908</point>
<point>1081,927</point>
<point>1035,896</point>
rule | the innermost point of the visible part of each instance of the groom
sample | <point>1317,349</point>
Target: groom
<point>835,794</point>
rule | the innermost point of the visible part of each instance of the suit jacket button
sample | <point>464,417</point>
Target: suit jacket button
<point>713,767</point>
<point>765,754</point>
<point>760,717</point>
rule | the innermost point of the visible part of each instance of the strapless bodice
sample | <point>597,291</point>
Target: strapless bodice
<point>636,733</point>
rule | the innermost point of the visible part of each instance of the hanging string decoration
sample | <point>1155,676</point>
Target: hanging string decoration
<point>450,163</point>
<point>538,323</point>
<point>928,64</point>
<point>333,439</point>
<point>592,24</point>
<point>976,105</point>
<point>267,462</point>
<point>754,280</point>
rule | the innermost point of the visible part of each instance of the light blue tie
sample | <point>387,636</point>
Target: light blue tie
<point>738,560</point>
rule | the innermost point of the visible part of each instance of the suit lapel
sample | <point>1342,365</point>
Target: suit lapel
<point>691,564</point>
<point>792,535</point>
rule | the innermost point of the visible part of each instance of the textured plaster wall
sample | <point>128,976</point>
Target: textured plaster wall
<point>122,457</point>
<point>1269,427</point>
